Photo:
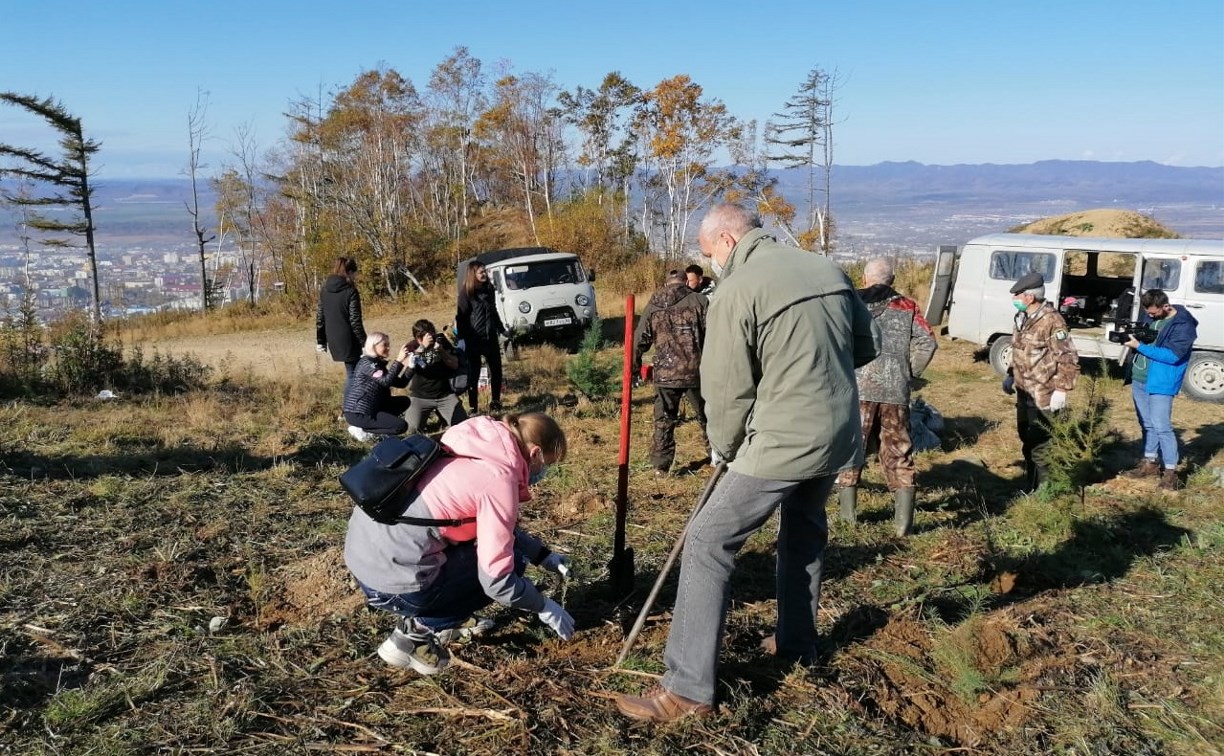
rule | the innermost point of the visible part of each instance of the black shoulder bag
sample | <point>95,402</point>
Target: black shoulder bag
<point>383,483</point>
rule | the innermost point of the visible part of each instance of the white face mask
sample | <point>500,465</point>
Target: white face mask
<point>716,267</point>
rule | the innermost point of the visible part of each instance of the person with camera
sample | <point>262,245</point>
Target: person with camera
<point>1044,368</point>
<point>369,407</point>
<point>1162,342</point>
<point>434,364</point>
<point>435,577</point>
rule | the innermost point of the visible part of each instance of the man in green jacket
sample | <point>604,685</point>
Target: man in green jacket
<point>784,336</point>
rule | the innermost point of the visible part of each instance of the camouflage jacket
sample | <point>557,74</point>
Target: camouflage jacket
<point>1043,358</point>
<point>906,347</point>
<point>674,322</point>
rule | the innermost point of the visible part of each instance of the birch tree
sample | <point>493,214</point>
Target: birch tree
<point>457,98</point>
<point>681,132</point>
<point>197,133</point>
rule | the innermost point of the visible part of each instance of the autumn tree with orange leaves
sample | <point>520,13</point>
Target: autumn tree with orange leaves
<point>681,133</point>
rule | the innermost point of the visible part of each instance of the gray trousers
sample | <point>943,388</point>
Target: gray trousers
<point>739,506</point>
<point>448,408</point>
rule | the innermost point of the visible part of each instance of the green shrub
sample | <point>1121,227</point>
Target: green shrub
<point>591,374</point>
<point>76,356</point>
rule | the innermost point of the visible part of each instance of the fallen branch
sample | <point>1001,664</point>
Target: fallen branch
<point>494,714</point>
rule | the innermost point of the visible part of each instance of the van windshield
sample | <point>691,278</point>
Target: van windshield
<point>547,273</point>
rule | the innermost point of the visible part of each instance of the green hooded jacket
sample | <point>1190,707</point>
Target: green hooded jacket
<point>783,338</point>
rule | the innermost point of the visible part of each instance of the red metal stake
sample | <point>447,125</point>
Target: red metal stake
<point>620,569</point>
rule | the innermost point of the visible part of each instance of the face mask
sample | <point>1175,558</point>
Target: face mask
<point>537,476</point>
<point>716,267</point>
<point>1019,305</point>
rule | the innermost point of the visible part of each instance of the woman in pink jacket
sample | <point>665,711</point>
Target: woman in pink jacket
<point>435,577</point>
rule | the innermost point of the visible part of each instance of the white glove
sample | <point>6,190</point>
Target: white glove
<point>554,562</point>
<point>1058,400</point>
<point>320,347</point>
<point>555,616</point>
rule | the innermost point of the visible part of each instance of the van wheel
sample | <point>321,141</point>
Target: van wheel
<point>1205,377</point>
<point>1000,354</point>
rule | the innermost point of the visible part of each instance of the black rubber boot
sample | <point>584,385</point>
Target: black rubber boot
<point>847,498</point>
<point>903,510</point>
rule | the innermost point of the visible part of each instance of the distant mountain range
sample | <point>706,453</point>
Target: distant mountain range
<point>902,204</point>
<point>1142,183</point>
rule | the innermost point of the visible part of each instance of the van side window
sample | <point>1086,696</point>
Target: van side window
<point>1161,274</point>
<point>1011,266</point>
<point>1208,277</point>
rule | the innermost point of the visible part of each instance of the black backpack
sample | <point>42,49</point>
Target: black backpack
<point>383,484</point>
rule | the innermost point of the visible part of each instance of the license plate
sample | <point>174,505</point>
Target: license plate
<point>557,322</point>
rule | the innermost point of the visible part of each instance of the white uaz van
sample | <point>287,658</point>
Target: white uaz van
<point>1096,285</point>
<point>542,295</point>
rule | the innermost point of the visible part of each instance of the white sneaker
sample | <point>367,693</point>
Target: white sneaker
<point>715,457</point>
<point>360,434</point>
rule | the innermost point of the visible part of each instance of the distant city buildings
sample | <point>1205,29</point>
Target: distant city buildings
<point>135,280</point>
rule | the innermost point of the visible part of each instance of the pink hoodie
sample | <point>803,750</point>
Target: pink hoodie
<point>486,479</point>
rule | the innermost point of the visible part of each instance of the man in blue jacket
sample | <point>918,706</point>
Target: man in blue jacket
<point>1156,375</point>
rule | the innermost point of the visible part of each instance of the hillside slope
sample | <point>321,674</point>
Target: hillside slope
<point>1113,224</point>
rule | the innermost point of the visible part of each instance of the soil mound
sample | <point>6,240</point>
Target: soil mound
<point>311,589</point>
<point>1108,223</point>
<point>967,683</point>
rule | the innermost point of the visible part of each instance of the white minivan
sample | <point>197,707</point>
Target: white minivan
<point>1096,285</point>
<point>542,295</point>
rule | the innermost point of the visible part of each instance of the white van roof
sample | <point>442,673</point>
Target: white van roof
<point>544,257</point>
<point>1192,247</point>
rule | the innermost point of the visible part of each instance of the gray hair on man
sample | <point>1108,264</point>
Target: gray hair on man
<point>729,217</point>
<point>1037,292</point>
<point>878,270</point>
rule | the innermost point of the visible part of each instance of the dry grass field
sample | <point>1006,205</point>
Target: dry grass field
<point>171,582</point>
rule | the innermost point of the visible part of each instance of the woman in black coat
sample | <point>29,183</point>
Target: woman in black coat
<point>338,326</point>
<point>479,326</point>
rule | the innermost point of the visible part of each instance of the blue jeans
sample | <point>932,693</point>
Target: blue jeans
<point>453,596</point>
<point>1155,413</point>
<point>740,506</point>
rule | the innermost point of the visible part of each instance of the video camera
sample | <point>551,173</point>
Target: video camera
<point>1124,329</point>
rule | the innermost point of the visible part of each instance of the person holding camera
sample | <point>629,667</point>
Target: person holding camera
<point>435,577</point>
<point>369,407</point>
<point>434,364</point>
<point>1155,372</point>
<point>1044,368</point>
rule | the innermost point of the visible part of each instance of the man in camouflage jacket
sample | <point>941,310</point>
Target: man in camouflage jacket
<point>1044,367</point>
<point>674,322</point>
<point>907,346</point>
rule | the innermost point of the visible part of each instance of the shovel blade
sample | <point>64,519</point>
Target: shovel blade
<point>621,573</point>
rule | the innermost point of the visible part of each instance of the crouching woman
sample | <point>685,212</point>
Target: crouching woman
<point>369,406</point>
<point>436,576</point>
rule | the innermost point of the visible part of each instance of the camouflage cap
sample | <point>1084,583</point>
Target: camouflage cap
<point>1031,280</point>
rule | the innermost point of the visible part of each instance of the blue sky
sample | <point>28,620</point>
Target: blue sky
<point>936,82</point>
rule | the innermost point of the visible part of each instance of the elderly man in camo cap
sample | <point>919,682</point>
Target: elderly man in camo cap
<point>1044,367</point>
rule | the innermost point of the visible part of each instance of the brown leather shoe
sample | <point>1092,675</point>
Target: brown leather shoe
<point>1168,480</point>
<point>1147,468</point>
<point>660,705</point>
